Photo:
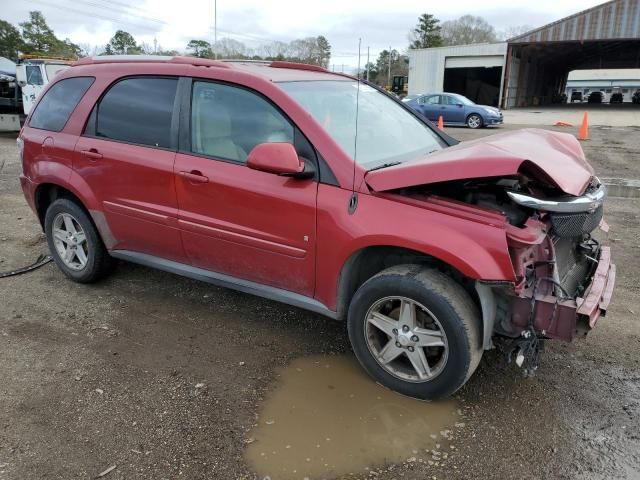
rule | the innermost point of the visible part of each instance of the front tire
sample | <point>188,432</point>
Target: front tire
<point>474,121</point>
<point>74,242</point>
<point>415,331</point>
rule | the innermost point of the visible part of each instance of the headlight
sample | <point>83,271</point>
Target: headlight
<point>491,111</point>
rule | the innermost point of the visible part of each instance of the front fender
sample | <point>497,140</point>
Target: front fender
<point>473,244</point>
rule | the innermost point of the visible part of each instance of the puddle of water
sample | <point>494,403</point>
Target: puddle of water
<point>328,418</point>
<point>622,187</point>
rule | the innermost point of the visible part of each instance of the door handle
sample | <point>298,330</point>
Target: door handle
<point>92,153</point>
<point>194,176</point>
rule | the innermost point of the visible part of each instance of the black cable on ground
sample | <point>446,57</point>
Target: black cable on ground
<point>40,261</point>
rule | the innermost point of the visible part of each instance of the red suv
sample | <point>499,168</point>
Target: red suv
<point>310,188</point>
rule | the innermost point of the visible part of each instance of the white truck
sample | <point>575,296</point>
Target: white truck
<point>20,85</point>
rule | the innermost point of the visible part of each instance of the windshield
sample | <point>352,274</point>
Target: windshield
<point>464,100</point>
<point>387,133</point>
<point>53,68</point>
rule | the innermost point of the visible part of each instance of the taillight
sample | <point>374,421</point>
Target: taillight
<point>20,144</point>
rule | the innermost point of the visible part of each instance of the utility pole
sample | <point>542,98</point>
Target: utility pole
<point>367,64</point>
<point>389,74</point>
<point>155,46</point>
<point>215,29</point>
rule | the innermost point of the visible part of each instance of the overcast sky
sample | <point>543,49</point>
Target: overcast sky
<point>174,22</point>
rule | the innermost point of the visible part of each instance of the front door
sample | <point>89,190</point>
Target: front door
<point>126,157</point>
<point>454,109</point>
<point>241,222</point>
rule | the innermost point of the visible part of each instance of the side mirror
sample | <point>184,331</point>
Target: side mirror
<point>277,158</point>
<point>459,105</point>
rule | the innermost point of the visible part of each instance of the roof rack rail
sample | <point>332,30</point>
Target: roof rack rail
<point>245,60</point>
<point>277,64</point>
<point>199,62</point>
<point>297,66</point>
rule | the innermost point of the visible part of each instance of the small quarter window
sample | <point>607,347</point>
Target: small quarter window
<point>137,110</point>
<point>56,106</point>
<point>227,122</point>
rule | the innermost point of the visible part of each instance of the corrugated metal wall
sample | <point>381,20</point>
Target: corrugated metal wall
<point>618,19</point>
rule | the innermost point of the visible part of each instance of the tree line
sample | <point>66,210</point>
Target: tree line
<point>35,37</point>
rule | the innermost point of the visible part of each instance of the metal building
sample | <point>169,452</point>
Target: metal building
<point>538,62</point>
<point>532,69</point>
<point>474,71</point>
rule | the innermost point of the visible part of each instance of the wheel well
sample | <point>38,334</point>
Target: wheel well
<point>365,263</point>
<point>47,193</point>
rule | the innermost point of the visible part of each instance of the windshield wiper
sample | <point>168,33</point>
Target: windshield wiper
<point>384,165</point>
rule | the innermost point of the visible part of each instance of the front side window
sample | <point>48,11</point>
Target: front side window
<point>34,75</point>
<point>387,132</point>
<point>449,100</point>
<point>137,110</point>
<point>61,99</point>
<point>227,122</point>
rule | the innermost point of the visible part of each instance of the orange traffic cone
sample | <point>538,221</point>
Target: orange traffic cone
<point>440,123</point>
<point>583,133</point>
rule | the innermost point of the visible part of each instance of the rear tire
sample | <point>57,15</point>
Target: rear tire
<point>447,330</point>
<point>74,242</point>
<point>474,121</point>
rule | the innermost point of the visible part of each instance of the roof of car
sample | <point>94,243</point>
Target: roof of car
<point>275,71</point>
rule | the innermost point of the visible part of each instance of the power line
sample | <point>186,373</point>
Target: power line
<point>124,5</point>
<point>94,14</point>
<point>122,12</point>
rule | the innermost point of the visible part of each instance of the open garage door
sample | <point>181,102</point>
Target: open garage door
<point>480,84</point>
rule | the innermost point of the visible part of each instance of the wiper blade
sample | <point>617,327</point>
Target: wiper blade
<point>384,165</point>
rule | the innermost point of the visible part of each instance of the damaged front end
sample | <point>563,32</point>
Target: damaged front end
<point>541,184</point>
<point>563,275</point>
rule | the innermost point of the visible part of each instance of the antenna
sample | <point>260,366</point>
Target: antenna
<point>353,201</point>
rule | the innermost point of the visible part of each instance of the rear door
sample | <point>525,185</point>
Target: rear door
<point>126,156</point>
<point>430,105</point>
<point>241,222</point>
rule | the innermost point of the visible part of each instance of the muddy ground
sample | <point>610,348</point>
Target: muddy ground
<point>164,377</point>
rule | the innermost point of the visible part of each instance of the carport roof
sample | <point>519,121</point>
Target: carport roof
<point>614,20</point>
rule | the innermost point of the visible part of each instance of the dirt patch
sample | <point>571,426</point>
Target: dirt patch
<point>166,377</point>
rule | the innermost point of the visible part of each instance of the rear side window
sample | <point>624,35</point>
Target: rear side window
<point>57,104</point>
<point>137,110</point>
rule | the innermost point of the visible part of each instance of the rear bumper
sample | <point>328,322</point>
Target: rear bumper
<point>564,319</point>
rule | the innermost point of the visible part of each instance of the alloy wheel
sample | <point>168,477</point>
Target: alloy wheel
<point>70,241</point>
<point>474,121</point>
<point>406,339</point>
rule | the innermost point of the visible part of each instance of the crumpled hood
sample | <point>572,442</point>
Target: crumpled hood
<point>556,156</point>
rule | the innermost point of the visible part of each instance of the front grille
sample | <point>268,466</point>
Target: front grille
<point>575,224</point>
